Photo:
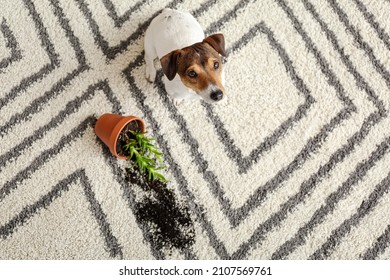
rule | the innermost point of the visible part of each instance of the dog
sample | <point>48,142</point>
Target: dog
<point>191,63</point>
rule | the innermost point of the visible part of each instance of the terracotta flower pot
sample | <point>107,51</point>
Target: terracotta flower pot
<point>109,126</point>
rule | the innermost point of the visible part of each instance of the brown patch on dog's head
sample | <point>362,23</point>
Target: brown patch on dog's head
<point>199,67</point>
<point>217,41</point>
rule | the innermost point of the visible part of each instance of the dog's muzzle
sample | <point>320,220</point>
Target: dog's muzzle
<point>216,95</point>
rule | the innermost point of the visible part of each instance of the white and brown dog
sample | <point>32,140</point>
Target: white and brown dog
<point>178,40</point>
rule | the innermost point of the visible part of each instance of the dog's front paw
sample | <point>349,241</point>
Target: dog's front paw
<point>150,73</point>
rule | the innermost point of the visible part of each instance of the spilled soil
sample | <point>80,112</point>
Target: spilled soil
<point>168,222</point>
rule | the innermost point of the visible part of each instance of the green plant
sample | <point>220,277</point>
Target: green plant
<point>145,155</point>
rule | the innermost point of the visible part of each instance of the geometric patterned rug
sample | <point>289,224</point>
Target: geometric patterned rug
<point>294,165</point>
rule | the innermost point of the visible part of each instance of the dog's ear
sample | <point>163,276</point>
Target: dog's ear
<point>217,41</point>
<point>169,64</point>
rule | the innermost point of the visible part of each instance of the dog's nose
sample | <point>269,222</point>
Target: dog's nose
<point>216,95</point>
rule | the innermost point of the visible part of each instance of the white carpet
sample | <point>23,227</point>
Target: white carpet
<point>294,166</point>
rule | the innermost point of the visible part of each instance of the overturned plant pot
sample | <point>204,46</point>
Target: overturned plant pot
<point>112,130</point>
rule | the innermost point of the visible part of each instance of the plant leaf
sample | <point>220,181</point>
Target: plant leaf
<point>145,155</point>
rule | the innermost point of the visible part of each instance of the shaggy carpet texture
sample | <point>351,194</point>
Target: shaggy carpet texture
<point>294,165</point>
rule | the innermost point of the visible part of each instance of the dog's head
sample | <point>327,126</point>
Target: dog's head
<point>199,67</point>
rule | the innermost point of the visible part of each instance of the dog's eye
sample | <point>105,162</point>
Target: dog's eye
<point>216,65</point>
<point>192,74</point>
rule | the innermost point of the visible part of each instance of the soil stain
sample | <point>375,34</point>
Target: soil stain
<point>169,223</point>
<point>125,135</point>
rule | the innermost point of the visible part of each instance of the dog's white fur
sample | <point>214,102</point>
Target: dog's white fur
<point>168,31</point>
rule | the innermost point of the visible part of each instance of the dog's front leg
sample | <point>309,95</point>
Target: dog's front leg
<point>150,55</point>
<point>150,71</point>
<point>174,90</point>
